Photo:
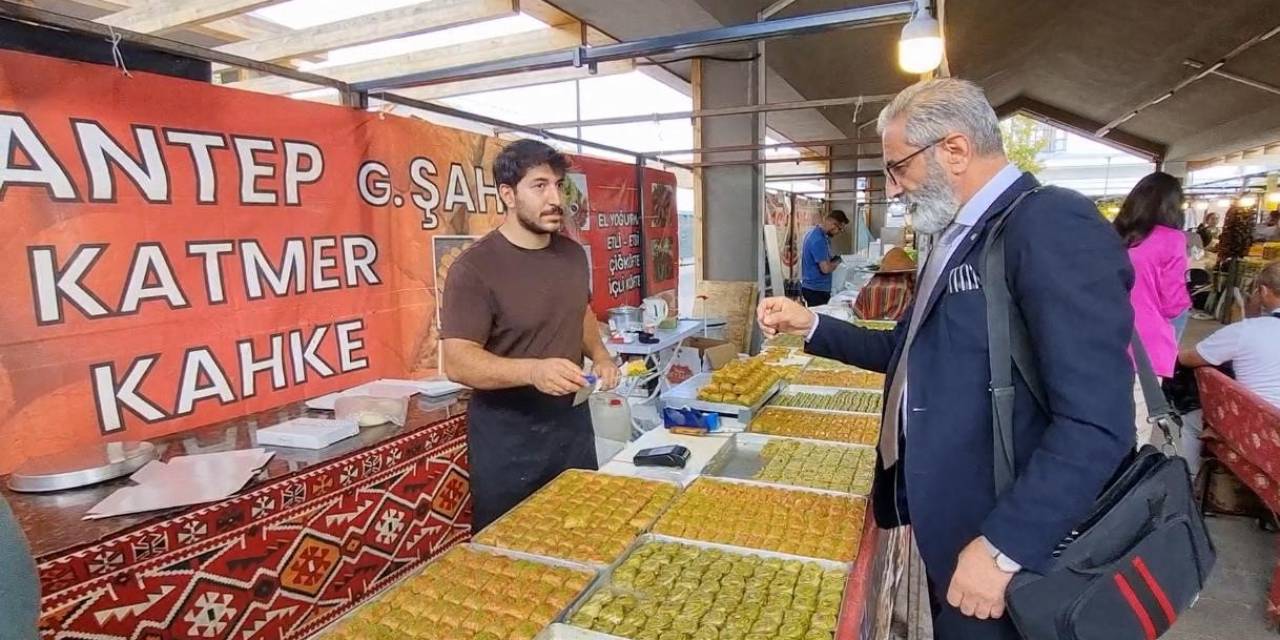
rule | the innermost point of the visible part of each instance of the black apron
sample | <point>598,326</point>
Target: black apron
<point>519,440</point>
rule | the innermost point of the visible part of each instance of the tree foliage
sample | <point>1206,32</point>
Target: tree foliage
<point>1024,141</point>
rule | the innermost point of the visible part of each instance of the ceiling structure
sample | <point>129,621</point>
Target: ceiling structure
<point>1084,64</point>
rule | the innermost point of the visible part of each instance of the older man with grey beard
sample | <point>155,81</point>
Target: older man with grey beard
<point>1069,279</point>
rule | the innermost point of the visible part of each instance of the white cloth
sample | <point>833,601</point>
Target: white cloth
<point>1252,347</point>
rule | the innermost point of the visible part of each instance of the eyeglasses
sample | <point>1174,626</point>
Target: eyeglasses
<point>891,169</point>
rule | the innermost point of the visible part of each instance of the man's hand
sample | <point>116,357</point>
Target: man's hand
<point>608,374</point>
<point>781,315</point>
<point>557,377</point>
<point>978,585</point>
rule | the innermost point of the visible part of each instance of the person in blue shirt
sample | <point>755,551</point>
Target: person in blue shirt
<point>816,261</point>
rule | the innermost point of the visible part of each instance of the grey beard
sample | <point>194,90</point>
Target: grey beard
<point>934,204</point>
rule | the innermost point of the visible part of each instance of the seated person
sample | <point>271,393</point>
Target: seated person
<point>1252,345</point>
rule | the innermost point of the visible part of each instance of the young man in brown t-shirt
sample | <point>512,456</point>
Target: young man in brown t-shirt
<point>516,324</point>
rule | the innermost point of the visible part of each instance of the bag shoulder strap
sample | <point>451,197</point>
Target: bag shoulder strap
<point>1009,345</point>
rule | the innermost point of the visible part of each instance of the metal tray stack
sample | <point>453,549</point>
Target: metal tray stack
<point>686,396</point>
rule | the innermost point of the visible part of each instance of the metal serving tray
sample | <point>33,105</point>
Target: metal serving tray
<point>565,631</point>
<point>825,391</point>
<point>686,396</point>
<point>741,459</point>
<point>594,565</point>
<point>592,586</point>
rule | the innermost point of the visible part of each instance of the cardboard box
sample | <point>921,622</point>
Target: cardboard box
<point>699,355</point>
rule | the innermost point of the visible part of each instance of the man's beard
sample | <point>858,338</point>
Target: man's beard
<point>934,204</point>
<point>535,225</point>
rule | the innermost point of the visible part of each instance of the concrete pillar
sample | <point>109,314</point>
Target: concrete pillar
<point>846,202</point>
<point>732,209</point>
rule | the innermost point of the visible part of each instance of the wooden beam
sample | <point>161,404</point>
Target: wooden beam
<point>414,19</point>
<point>1080,125</point>
<point>545,12</point>
<point>158,16</point>
<point>429,59</point>
<point>242,27</point>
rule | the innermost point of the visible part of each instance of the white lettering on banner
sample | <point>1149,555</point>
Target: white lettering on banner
<point>250,368</point>
<point>151,275</point>
<point>484,191</point>
<point>100,151</point>
<point>421,170</point>
<point>349,344</point>
<point>458,192</point>
<point>52,285</point>
<point>150,264</point>
<point>42,168</point>
<point>26,160</point>
<point>203,377</point>
<point>212,251</point>
<point>199,145</point>
<point>304,359</point>
<point>112,396</point>
<point>251,170</point>
<point>257,267</point>
<point>374,182</point>
<point>295,174</point>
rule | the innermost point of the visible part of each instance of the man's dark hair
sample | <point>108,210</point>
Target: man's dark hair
<point>521,156</point>
<point>838,216</point>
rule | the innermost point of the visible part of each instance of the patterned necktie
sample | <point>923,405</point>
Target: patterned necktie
<point>893,403</point>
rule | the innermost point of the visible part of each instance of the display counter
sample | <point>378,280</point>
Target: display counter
<point>312,537</point>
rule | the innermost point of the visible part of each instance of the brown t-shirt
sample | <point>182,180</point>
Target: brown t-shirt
<point>519,303</point>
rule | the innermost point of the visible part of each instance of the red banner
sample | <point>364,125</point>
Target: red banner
<point>179,254</point>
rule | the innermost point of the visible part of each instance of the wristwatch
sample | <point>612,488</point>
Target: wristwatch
<point>1003,562</point>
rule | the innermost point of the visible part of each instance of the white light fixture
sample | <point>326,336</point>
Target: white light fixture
<point>1248,201</point>
<point>1201,205</point>
<point>1186,205</point>
<point>1274,197</point>
<point>920,46</point>
<point>1224,202</point>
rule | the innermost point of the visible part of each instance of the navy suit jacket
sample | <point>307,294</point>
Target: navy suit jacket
<point>1070,275</point>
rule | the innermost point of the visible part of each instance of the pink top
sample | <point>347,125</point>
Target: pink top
<point>1159,294</point>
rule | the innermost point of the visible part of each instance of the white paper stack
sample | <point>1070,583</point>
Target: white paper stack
<point>183,481</point>
<point>307,433</point>
<point>388,388</point>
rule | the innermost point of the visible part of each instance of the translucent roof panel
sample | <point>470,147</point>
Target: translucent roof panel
<point>500,27</point>
<point>302,14</point>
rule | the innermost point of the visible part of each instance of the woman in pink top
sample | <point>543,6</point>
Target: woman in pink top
<point>1150,222</point>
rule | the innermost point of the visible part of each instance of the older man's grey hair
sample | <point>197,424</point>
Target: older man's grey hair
<point>936,108</point>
